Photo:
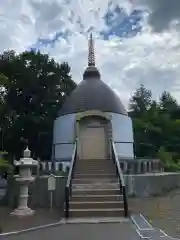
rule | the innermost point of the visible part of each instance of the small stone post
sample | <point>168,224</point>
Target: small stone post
<point>24,179</point>
<point>145,167</point>
<point>139,167</point>
<point>150,166</point>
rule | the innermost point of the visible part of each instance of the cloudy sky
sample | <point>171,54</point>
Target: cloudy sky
<point>136,43</point>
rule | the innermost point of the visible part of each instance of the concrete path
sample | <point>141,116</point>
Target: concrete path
<point>101,231</point>
<point>136,228</point>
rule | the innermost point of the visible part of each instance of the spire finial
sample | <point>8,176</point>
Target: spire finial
<point>91,56</point>
<point>91,71</point>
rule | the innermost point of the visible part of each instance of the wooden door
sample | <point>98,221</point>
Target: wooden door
<point>93,143</point>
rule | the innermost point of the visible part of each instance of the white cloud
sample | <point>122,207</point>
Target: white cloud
<point>150,58</point>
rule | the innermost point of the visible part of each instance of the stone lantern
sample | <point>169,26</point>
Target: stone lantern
<point>24,178</point>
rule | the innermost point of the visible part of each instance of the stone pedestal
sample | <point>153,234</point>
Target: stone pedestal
<point>24,179</point>
<point>23,212</point>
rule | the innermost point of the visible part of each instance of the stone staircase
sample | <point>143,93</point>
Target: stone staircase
<point>95,190</point>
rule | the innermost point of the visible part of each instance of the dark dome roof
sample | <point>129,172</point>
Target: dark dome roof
<point>92,94</point>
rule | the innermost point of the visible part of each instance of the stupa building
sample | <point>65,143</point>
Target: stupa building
<point>92,116</point>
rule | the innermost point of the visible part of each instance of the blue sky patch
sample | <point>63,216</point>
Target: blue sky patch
<point>122,25</point>
<point>117,21</point>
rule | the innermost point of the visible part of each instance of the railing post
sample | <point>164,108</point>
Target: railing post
<point>68,187</point>
<point>125,201</point>
<point>121,187</point>
<point>67,202</point>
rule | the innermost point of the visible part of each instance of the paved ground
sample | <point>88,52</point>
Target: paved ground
<point>109,231</point>
<point>135,228</point>
<point>163,212</point>
<point>10,223</point>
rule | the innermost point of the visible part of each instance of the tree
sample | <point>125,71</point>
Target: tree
<point>156,127</point>
<point>140,101</point>
<point>34,90</point>
<point>167,102</point>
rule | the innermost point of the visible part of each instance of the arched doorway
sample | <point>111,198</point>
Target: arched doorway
<point>93,137</point>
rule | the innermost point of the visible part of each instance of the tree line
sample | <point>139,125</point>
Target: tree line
<point>33,87</point>
<point>156,127</point>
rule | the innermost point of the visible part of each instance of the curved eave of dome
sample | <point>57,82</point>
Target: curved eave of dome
<point>72,109</point>
<point>79,111</point>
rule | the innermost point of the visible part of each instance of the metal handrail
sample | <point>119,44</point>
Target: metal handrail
<point>121,181</point>
<point>118,165</point>
<point>69,180</point>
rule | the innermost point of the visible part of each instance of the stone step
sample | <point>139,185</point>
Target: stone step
<point>97,185</point>
<point>95,163</point>
<point>96,198</point>
<point>84,213</point>
<point>95,160</point>
<point>99,181</point>
<point>95,171</point>
<point>95,192</point>
<point>90,168</point>
<point>94,205</point>
<point>94,175</point>
<point>99,170</point>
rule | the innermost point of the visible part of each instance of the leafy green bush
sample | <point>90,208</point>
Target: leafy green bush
<point>167,160</point>
<point>4,164</point>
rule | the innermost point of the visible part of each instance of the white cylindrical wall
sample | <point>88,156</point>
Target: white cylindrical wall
<point>64,128</point>
<point>122,135</point>
<point>63,137</point>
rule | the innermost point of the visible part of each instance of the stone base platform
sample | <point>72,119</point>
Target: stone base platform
<point>23,212</point>
<point>95,220</point>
